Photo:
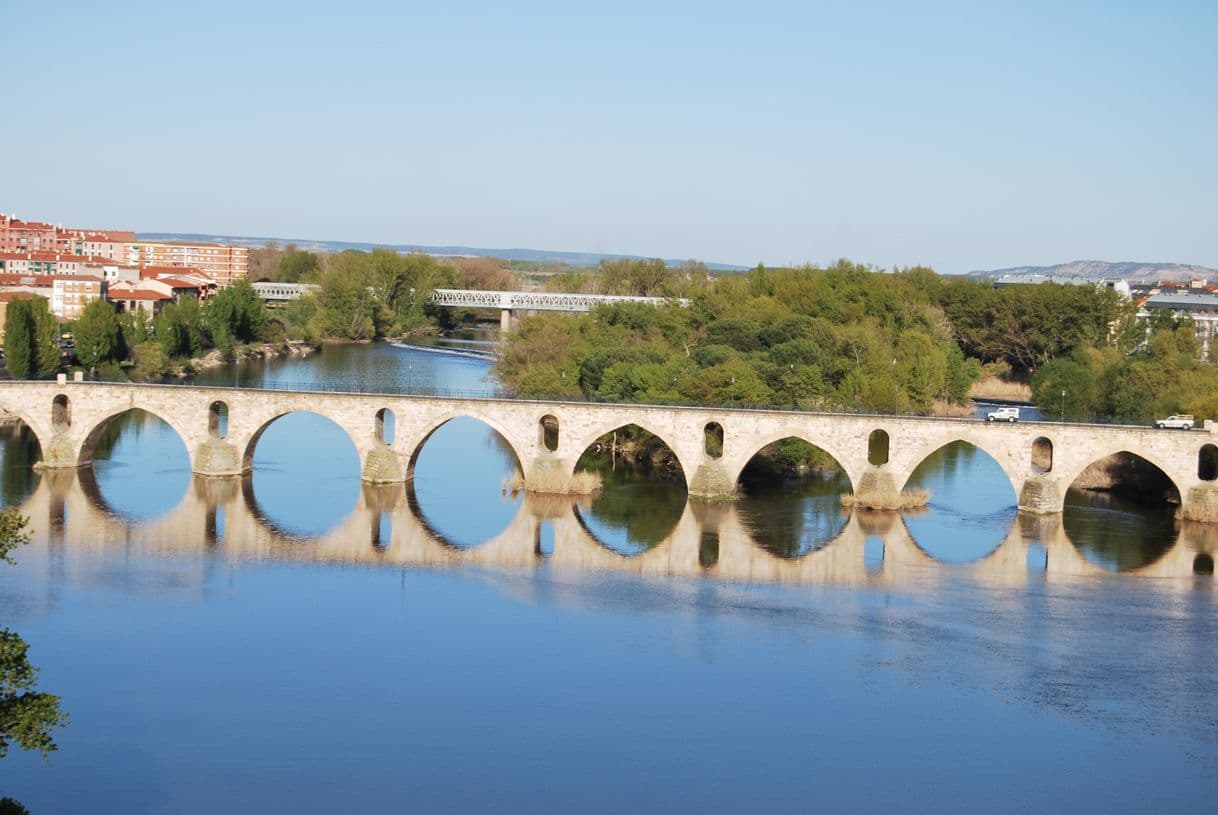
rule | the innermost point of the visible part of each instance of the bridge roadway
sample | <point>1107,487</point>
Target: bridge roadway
<point>220,428</point>
<point>387,527</point>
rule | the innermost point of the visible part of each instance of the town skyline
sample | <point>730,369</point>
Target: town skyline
<point>577,258</point>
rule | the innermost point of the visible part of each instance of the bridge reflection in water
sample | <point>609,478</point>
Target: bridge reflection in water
<point>221,518</point>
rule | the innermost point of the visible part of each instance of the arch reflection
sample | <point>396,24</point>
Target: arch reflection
<point>464,463</point>
<point>971,507</point>
<point>19,452</point>
<point>303,490</point>
<point>1121,513</point>
<point>642,495</point>
<point>140,466</point>
<point>218,519</point>
<point>790,497</point>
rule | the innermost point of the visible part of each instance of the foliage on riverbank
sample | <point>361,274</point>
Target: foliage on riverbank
<point>838,338</point>
<point>1163,377</point>
<point>369,295</point>
<point>133,343</point>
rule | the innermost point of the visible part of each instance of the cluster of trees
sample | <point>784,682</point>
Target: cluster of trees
<point>640,278</point>
<point>31,338</point>
<point>850,337</point>
<point>287,264</point>
<point>1163,376</point>
<point>105,338</point>
<point>1027,326</point>
<point>837,338</point>
<point>366,295</point>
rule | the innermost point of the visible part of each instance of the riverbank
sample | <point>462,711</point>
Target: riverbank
<point>215,358</point>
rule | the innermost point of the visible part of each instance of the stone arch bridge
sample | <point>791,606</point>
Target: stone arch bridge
<point>220,428</point>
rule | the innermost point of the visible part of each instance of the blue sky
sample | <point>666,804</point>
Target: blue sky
<point>961,135</point>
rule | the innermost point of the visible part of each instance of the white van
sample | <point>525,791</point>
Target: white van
<point>1003,414</point>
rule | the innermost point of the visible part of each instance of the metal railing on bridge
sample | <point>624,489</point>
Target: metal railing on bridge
<point>538,300</point>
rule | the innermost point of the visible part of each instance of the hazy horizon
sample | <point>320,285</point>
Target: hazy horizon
<point>950,135</point>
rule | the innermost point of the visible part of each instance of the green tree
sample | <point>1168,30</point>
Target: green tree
<point>19,338</point>
<point>236,313</point>
<point>46,338</point>
<point>296,266</point>
<point>180,329</point>
<point>97,335</point>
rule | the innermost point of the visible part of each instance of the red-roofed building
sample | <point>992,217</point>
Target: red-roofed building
<point>142,295</point>
<point>218,261</point>
<point>36,236</point>
<point>46,263</point>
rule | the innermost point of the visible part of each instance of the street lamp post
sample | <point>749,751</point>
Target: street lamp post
<point>1063,404</point>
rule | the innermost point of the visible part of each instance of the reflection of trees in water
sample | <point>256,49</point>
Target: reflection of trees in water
<point>134,421</point>
<point>20,450</point>
<point>633,448</point>
<point>502,448</point>
<point>949,463</point>
<point>1117,533</point>
<point>643,504</point>
<point>791,517</point>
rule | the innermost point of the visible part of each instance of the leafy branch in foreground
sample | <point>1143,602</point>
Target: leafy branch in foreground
<point>28,717</point>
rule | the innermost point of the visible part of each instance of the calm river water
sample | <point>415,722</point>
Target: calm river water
<point>301,643</point>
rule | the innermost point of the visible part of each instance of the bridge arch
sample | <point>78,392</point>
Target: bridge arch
<point>478,416</point>
<point>159,475</point>
<point>877,447</point>
<point>1178,478</point>
<point>37,432</point>
<point>759,443</point>
<point>89,445</point>
<point>583,443</point>
<point>251,445</point>
<point>217,419</point>
<point>992,447</point>
<point>548,430</point>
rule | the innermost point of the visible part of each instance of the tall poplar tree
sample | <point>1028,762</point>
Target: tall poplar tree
<point>97,335</point>
<point>46,338</point>
<point>19,338</point>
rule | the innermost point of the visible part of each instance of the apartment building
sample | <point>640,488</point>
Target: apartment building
<point>218,261</point>
<point>68,294</point>
<point>71,293</point>
<point>47,263</point>
<point>17,235</point>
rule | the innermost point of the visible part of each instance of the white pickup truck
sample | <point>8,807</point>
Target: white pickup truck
<point>1003,414</point>
<point>1181,422</point>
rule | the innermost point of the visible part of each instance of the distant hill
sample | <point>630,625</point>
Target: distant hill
<point>1129,271</point>
<point>578,259</point>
